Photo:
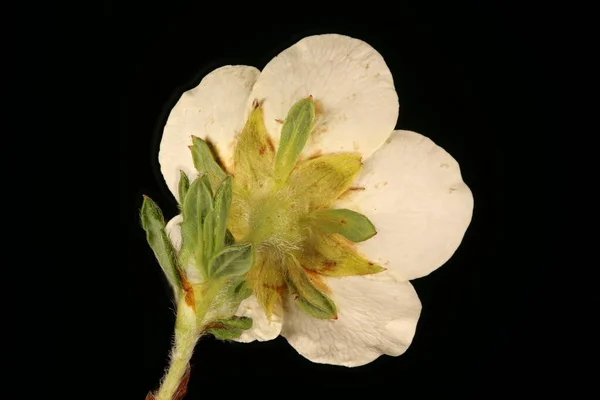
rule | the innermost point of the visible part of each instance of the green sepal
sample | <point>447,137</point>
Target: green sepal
<point>183,187</point>
<point>294,133</point>
<point>153,222</point>
<point>308,298</point>
<point>197,204</point>
<point>230,328</point>
<point>205,163</point>
<point>234,260</point>
<point>221,212</point>
<point>350,224</point>
<point>239,292</point>
<point>208,237</point>
<point>229,239</point>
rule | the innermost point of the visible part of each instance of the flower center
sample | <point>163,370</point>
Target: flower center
<point>275,219</point>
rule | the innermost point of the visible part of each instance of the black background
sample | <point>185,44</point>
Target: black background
<point>452,71</point>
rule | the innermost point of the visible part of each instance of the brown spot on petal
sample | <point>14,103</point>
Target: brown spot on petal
<point>279,121</point>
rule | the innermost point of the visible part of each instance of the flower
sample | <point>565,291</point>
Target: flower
<point>409,188</point>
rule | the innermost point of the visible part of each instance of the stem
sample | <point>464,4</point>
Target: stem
<point>186,336</point>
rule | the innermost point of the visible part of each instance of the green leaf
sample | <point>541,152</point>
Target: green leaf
<point>230,328</point>
<point>197,204</point>
<point>208,236</point>
<point>183,187</point>
<point>295,132</point>
<point>225,334</point>
<point>222,205</point>
<point>153,223</point>
<point>352,225</point>
<point>236,322</point>
<point>229,239</point>
<point>205,163</point>
<point>307,297</point>
<point>234,260</point>
<point>239,292</point>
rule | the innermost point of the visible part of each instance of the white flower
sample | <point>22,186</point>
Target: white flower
<point>413,190</point>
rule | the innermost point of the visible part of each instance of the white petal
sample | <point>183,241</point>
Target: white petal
<point>349,80</point>
<point>377,315</point>
<point>215,110</point>
<point>262,329</point>
<point>173,229</point>
<point>416,198</point>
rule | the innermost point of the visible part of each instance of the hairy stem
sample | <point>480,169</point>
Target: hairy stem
<point>186,336</point>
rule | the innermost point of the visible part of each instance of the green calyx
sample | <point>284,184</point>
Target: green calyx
<point>282,204</point>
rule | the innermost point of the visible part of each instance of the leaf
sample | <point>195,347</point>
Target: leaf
<point>197,204</point>
<point>320,181</point>
<point>295,132</point>
<point>183,187</point>
<point>234,260</point>
<point>221,212</point>
<point>352,225</point>
<point>230,328</point>
<point>236,322</point>
<point>153,223</point>
<point>229,239</point>
<point>241,291</point>
<point>208,236</point>
<point>307,297</point>
<point>205,163</point>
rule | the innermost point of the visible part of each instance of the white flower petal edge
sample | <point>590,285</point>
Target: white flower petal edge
<point>357,105</point>
<point>377,314</point>
<point>215,110</point>
<point>416,198</point>
<point>262,329</point>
